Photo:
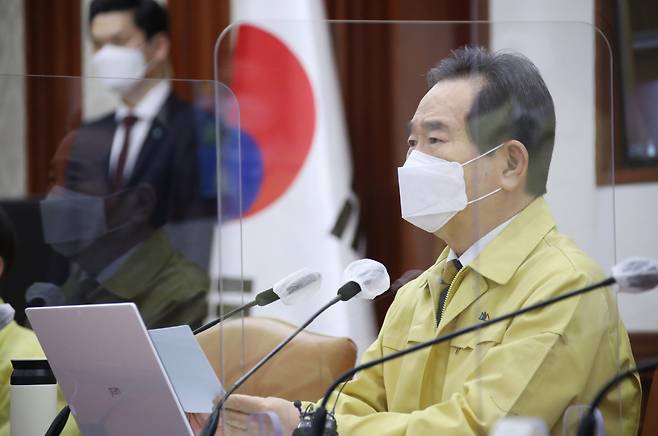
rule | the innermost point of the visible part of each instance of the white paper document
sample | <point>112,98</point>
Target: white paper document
<point>189,371</point>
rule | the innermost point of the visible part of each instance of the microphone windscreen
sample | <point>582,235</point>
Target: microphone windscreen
<point>519,426</point>
<point>636,274</point>
<point>44,294</point>
<point>6,314</point>
<point>370,275</point>
<point>297,286</point>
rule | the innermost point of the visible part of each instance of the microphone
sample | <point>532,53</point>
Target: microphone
<point>6,315</point>
<point>365,277</point>
<point>588,424</point>
<point>636,274</point>
<point>291,289</point>
<point>632,275</point>
<point>41,294</point>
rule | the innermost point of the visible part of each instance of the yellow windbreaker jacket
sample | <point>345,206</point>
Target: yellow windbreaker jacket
<point>537,364</point>
<point>17,342</point>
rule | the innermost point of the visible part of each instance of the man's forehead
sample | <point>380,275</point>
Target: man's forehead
<point>448,101</point>
<point>109,24</point>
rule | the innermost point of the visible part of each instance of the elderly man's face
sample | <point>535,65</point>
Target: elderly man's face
<point>439,128</point>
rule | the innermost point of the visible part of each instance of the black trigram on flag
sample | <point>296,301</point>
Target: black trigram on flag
<point>348,224</point>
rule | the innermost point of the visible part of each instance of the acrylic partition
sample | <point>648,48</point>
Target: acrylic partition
<point>114,202</point>
<point>502,166</point>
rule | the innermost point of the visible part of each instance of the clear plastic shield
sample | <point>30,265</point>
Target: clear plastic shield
<point>113,202</point>
<point>474,167</point>
<point>126,198</point>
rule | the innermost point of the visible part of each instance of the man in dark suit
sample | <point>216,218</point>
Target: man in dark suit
<point>117,253</point>
<point>120,178</point>
<point>151,136</point>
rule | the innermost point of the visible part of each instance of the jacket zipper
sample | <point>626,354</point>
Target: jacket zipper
<point>442,307</point>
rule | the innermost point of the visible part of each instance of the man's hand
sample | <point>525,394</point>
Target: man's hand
<point>238,408</point>
<point>241,406</point>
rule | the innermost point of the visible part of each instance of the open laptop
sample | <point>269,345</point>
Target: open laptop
<point>109,370</point>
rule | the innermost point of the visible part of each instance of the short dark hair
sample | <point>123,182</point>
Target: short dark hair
<point>514,103</point>
<point>7,240</point>
<point>149,15</point>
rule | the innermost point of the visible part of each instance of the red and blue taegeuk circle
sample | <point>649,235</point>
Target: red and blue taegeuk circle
<point>277,119</point>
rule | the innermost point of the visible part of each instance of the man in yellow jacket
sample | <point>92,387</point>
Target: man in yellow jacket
<point>535,365</point>
<point>16,342</point>
<point>480,146</point>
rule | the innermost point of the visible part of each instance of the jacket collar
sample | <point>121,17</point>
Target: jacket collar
<point>497,262</point>
<point>502,257</point>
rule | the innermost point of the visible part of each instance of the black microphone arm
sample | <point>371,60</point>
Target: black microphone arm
<point>345,293</point>
<point>298,283</point>
<point>320,414</point>
<point>213,420</point>
<point>262,299</point>
<point>57,426</point>
<point>588,422</point>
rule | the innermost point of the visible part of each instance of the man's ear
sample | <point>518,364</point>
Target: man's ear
<point>515,165</point>
<point>2,266</point>
<point>160,46</point>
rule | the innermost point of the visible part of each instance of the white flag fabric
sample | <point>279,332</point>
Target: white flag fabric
<point>299,210</point>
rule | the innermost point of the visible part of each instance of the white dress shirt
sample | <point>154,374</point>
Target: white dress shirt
<point>474,250</point>
<point>145,111</point>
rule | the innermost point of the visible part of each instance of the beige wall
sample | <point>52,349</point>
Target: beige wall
<point>13,163</point>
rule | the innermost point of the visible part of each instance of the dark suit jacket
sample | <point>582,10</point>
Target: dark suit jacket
<point>168,161</point>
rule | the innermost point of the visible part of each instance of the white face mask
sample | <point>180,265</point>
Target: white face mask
<point>433,190</point>
<point>120,68</point>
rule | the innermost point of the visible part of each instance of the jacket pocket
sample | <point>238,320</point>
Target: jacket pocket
<point>391,369</point>
<point>491,335</point>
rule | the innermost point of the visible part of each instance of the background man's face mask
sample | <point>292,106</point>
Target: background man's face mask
<point>72,221</point>
<point>433,190</point>
<point>120,68</point>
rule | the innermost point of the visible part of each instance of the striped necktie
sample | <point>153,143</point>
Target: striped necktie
<point>117,180</point>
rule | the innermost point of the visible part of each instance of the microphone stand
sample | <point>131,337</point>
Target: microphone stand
<point>59,422</point>
<point>320,414</point>
<point>262,299</point>
<point>211,425</point>
<point>588,422</point>
<point>225,316</point>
